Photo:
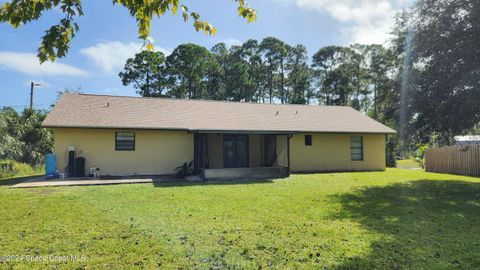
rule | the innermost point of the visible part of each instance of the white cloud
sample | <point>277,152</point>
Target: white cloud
<point>28,63</point>
<point>229,42</point>
<point>363,21</point>
<point>110,56</point>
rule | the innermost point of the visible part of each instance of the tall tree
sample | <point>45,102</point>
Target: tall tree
<point>250,53</point>
<point>382,71</point>
<point>299,75</point>
<point>186,68</point>
<point>332,67</point>
<point>238,87</point>
<point>56,41</point>
<point>358,67</point>
<point>275,52</point>
<point>438,42</point>
<point>216,66</point>
<point>146,71</point>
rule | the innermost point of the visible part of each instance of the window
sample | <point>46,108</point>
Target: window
<point>124,141</point>
<point>356,148</point>
<point>308,139</point>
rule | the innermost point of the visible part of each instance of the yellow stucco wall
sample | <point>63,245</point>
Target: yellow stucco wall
<point>331,152</point>
<point>159,152</point>
<point>156,152</point>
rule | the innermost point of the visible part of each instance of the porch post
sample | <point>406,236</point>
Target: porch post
<point>289,136</point>
<point>205,152</point>
<point>195,152</point>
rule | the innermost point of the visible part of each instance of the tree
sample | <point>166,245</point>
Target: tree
<point>358,67</point>
<point>186,68</point>
<point>333,69</point>
<point>22,137</point>
<point>56,41</point>
<point>146,71</point>
<point>382,72</point>
<point>437,41</point>
<point>299,75</point>
<point>275,52</point>
<point>36,140</point>
<point>10,146</point>
<point>215,68</point>
<point>237,76</point>
<point>250,53</point>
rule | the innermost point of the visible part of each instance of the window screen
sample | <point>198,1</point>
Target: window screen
<point>356,148</point>
<point>308,139</point>
<point>124,141</point>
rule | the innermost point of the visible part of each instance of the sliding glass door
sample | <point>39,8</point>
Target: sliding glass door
<point>235,151</point>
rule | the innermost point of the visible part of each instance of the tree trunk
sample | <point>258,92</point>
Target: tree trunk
<point>282,89</point>
<point>147,94</point>
<point>270,90</point>
<point>374,100</point>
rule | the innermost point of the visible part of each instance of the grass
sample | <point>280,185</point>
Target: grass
<point>398,219</point>
<point>409,163</point>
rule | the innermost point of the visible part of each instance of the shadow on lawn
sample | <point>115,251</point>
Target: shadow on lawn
<point>211,183</point>
<point>426,224</point>
<point>16,180</point>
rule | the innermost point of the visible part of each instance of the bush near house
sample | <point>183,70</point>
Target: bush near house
<point>12,169</point>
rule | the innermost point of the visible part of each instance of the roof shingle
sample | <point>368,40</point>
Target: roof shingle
<point>97,111</point>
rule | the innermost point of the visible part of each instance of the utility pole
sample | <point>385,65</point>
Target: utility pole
<point>32,85</point>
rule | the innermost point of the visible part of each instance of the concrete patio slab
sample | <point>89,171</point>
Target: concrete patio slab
<point>44,182</point>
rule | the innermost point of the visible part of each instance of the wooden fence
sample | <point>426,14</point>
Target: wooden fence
<point>458,159</point>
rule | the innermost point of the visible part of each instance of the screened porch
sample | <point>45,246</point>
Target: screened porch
<point>229,155</point>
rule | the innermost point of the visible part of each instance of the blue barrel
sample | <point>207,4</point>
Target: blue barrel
<point>50,164</point>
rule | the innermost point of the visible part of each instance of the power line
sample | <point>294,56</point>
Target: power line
<point>16,106</point>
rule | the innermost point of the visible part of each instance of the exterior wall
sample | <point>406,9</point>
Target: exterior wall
<point>159,152</point>
<point>331,152</point>
<point>156,152</point>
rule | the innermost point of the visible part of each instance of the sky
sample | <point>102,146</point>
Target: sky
<point>108,36</point>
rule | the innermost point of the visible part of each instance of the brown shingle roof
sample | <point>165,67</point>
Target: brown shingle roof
<point>96,111</point>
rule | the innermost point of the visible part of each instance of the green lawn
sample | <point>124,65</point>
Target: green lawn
<point>407,164</point>
<point>398,219</point>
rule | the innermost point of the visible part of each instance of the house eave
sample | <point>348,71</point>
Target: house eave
<point>231,131</point>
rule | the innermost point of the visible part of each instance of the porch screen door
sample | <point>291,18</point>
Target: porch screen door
<point>235,151</point>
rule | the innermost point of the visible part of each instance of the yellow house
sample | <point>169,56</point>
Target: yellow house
<point>152,136</point>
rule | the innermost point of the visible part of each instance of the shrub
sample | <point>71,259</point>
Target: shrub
<point>185,169</point>
<point>420,154</point>
<point>391,152</point>
<point>10,169</point>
